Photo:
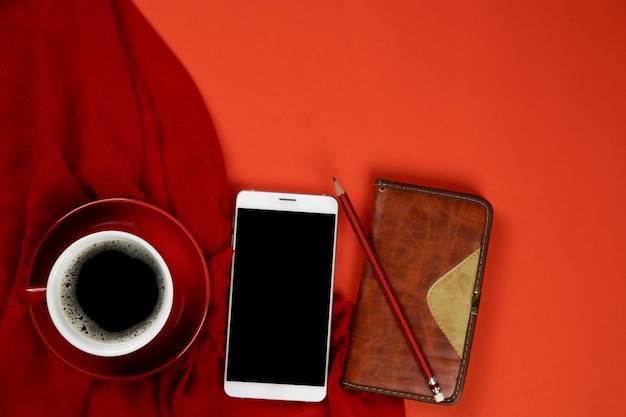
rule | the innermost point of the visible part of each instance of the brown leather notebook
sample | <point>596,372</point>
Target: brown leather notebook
<point>432,245</point>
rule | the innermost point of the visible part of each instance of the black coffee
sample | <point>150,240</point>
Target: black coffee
<point>116,291</point>
<point>112,291</point>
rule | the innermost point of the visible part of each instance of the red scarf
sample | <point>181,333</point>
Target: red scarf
<point>94,105</point>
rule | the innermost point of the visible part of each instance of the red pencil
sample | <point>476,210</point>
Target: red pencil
<point>390,295</point>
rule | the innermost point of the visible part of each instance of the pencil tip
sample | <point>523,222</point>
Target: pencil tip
<point>338,188</point>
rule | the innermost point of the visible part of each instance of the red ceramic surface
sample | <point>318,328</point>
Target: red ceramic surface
<point>183,257</point>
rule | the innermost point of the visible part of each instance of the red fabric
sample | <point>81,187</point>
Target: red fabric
<point>94,105</point>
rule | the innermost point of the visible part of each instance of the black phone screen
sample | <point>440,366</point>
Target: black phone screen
<point>281,296</point>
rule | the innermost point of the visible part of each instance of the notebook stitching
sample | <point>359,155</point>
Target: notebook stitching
<point>385,391</point>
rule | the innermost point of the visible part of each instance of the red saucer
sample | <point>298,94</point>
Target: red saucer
<point>183,257</point>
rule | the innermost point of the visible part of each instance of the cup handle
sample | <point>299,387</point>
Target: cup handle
<point>31,295</point>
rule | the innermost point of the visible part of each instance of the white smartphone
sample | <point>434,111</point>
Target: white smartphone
<point>278,336</point>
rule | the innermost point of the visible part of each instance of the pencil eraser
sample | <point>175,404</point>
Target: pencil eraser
<point>439,397</point>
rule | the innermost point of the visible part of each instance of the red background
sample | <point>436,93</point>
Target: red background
<point>521,102</point>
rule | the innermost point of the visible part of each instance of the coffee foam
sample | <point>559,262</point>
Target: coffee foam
<point>75,314</point>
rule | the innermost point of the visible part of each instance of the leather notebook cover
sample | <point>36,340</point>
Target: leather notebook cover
<point>432,245</point>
